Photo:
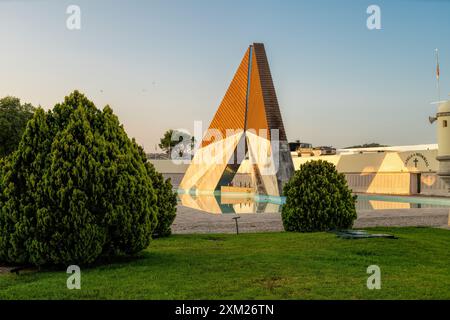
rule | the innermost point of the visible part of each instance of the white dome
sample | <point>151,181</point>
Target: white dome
<point>444,107</point>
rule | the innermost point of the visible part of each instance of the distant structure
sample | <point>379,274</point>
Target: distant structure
<point>305,149</point>
<point>247,125</point>
<point>394,170</point>
<point>443,134</point>
<point>157,156</point>
<point>442,118</point>
<point>300,149</point>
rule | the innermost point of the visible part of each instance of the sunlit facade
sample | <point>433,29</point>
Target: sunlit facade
<point>402,170</point>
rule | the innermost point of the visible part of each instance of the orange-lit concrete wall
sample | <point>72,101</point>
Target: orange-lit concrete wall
<point>432,185</point>
<point>386,183</point>
<point>387,172</point>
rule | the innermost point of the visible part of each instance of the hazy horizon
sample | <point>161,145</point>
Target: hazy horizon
<point>166,64</point>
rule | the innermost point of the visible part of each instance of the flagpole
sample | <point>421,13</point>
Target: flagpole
<point>438,75</point>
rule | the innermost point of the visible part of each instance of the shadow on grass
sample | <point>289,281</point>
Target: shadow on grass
<point>118,261</point>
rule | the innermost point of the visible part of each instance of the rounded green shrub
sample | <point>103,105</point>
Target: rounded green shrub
<point>76,189</point>
<point>318,199</point>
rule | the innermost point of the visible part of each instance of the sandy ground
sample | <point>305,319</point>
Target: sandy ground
<point>194,221</point>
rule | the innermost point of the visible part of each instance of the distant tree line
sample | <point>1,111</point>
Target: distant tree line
<point>368,145</point>
<point>13,120</point>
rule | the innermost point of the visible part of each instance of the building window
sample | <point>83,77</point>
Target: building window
<point>445,123</point>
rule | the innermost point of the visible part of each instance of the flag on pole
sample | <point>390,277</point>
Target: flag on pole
<point>437,70</point>
<point>437,65</point>
<point>437,75</point>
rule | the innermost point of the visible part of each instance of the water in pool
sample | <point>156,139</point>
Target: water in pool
<point>249,203</point>
<point>382,202</point>
<point>231,202</point>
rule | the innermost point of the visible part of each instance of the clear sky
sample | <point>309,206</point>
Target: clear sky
<point>164,64</point>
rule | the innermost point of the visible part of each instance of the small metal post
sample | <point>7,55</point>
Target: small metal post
<point>449,219</point>
<point>237,226</point>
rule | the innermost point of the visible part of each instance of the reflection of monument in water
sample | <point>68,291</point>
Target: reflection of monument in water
<point>247,126</point>
<point>230,203</point>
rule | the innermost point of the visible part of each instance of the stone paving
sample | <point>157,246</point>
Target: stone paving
<point>194,221</point>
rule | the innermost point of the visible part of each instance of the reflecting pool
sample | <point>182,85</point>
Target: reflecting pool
<point>230,202</point>
<point>382,202</point>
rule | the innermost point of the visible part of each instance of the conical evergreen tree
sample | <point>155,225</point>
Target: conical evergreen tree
<point>76,189</point>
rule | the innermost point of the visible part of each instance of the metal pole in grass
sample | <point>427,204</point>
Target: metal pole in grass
<point>448,218</point>
<point>237,226</point>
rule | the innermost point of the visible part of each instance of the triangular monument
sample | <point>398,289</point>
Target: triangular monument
<point>246,135</point>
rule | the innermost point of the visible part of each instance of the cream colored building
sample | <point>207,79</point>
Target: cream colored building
<point>402,170</point>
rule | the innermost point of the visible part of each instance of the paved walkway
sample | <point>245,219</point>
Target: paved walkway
<point>194,221</point>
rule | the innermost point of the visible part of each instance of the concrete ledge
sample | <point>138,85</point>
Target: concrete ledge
<point>195,221</point>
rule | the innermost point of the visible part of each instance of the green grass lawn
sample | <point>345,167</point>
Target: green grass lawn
<point>259,266</point>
